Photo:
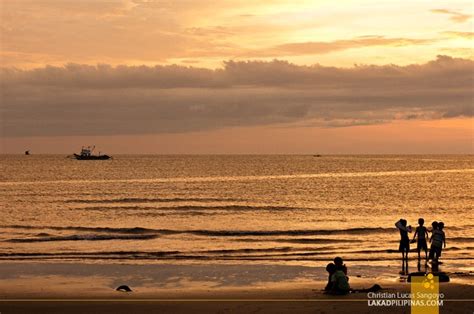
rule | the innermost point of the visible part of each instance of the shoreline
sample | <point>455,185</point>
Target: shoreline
<point>29,280</point>
<point>31,287</point>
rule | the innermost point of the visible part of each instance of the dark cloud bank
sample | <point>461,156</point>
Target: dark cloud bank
<point>104,100</point>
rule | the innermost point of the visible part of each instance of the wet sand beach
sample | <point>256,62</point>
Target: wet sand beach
<point>90,288</point>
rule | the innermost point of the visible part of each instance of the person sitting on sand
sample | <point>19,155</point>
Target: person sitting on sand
<point>404,246</point>
<point>339,282</point>
<point>330,268</point>
<point>340,264</point>
<point>421,233</point>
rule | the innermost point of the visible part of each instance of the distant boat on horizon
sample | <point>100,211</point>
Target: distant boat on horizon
<point>86,154</point>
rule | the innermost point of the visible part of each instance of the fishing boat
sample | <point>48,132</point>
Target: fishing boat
<point>86,154</point>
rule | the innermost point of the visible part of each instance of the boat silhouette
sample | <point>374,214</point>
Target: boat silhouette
<point>86,154</point>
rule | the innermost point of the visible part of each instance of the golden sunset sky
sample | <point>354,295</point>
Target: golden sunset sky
<point>137,76</point>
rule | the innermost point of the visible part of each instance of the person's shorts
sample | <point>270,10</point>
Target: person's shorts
<point>434,249</point>
<point>421,245</point>
<point>404,246</point>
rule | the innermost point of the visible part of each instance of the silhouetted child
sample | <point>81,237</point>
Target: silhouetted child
<point>404,246</point>
<point>421,233</point>
<point>339,283</point>
<point>330,268</point>
<point>438,238</point>
<point>441,228</point>
<point>434,227</point>
<point>340,264</point>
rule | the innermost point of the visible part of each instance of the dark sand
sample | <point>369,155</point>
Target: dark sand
<point>328,306</point>
<point>28,287</point>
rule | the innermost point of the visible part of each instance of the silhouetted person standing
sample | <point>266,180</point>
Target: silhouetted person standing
<point>438,238</point>
<point>434,227</point>
<point>441,229</point>
<point>421,234</point>
<point>404,246</point>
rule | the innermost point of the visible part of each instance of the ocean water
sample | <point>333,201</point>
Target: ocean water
<point>298,210</point>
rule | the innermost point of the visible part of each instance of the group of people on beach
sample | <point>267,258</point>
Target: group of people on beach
<point>338,281</point>
<point>437,240</point>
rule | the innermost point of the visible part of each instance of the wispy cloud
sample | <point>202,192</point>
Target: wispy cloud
<point>453,15</point>
<point>307,48</point>
<point>463,52</point>
<point>466,35</point>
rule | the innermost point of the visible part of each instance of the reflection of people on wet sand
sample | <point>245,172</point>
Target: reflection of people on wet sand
<point>421,233</point>
<point>404,242</point>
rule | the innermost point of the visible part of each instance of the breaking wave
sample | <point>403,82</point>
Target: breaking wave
<point>200,232</point>
<point>148,200</point>
<point>86,237</point>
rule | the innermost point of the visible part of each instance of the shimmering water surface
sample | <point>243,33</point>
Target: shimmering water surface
<point>300,210</point>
